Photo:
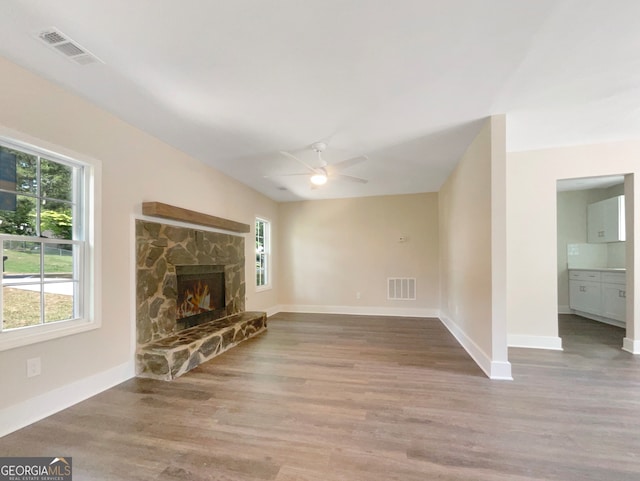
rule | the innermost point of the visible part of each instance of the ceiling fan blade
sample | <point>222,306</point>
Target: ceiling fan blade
<point>345,164</point>
<point>291,156</point>
<point>351,178</point>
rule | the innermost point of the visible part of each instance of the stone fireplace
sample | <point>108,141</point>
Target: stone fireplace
<point>190,293</point>
<point>163,251</point>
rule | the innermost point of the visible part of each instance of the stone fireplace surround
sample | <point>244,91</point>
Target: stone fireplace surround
<point>164,351</point>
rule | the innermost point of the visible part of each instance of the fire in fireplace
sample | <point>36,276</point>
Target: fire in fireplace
<point>201,295</point>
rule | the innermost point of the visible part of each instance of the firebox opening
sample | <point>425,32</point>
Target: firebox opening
<point>201,295</point>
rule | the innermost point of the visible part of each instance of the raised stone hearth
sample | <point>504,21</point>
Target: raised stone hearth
<point>172,356</point>
<point>161,249</point>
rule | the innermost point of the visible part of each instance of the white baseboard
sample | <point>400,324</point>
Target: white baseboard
<point>498,370</point>
<point>361,310</point>
<point>564,310</point>
<point>501,371</point>
<point>20,415</point>
<point>273,310</point>
<point>631,345</point>
<point>535,342</point>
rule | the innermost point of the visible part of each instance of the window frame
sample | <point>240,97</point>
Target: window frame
<point>266,254</point>
<point>85,235</point>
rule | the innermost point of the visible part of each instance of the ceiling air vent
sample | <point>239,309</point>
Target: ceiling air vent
<point>63,44</point>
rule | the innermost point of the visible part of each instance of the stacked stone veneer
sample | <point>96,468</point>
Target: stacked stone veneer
<point>159,249</point>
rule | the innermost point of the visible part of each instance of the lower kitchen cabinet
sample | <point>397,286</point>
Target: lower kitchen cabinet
<point>586,296</point>
<point>598,295</point>
<point>614,295</point>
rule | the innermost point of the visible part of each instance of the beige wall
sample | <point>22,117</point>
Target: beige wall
<point>136,167</point>
<point>472,269</point>
<point>532,230</point>
<point>333,249</point>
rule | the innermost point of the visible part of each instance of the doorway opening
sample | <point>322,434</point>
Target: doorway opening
<point>592,259</point>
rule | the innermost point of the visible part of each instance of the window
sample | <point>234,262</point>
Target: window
<point>262,253</point>
<point>44,243</point>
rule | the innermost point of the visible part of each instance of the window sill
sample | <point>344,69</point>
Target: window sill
<point>46,332</point>
<point>263,288</point>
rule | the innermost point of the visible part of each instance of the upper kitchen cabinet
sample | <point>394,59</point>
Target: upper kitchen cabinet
<point>605,220</point>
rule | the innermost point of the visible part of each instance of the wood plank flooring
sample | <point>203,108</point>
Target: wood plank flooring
<point>330,397</point>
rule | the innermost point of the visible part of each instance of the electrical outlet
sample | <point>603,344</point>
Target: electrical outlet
<point>34,367</point>
<point>358,295</point>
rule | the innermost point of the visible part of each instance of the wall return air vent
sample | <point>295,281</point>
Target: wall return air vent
<point>401,288</point>
<point>70,49</point>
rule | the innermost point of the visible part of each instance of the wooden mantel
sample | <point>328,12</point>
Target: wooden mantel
<point>166,211</point>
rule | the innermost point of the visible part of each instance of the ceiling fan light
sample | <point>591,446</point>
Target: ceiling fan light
<point>318,179</point>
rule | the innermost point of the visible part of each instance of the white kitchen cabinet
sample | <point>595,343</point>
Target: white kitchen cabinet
<point>614,296</point>
<point>605,220</point>
<point>598,295</point>
<point>585,294</point>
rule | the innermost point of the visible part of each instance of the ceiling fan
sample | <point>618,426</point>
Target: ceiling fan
<point>319,175</point>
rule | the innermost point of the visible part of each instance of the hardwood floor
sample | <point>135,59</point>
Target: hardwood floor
<point>329,397</point>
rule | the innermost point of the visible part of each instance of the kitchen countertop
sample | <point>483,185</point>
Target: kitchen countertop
<point>601,269</point>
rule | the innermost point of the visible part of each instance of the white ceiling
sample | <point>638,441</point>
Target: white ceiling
<point>405,82</point>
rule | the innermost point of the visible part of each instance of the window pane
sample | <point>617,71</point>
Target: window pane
<point>18,170</point>
<point>262,247</point>
<point>58,261</point>
<point>8,179</point>
<point>58,301</point>
<point>21,261</point>
<point>261,278</point>
<point>56,221</point>
<point>21,306</point>
<point>55,180</point>
<point>19,218</point>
